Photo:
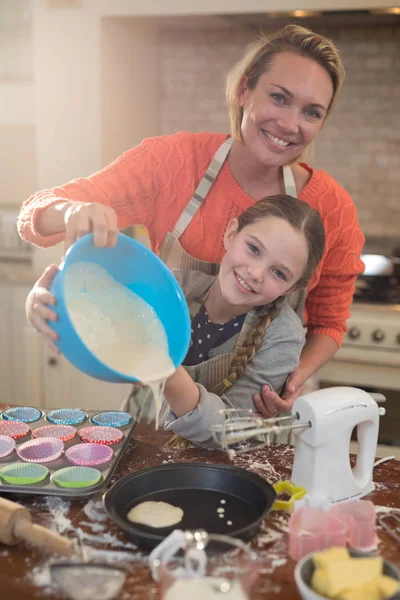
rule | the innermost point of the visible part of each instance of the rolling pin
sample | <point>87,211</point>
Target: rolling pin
<point>16,525</point>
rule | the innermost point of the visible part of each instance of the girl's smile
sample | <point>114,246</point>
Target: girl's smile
<point>263,261</point>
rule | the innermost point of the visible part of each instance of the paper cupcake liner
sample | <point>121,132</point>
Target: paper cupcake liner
<point>76,477</point>
<point>101,435</point>
<point>23,473</point>
<point>87,455</point>
<point>14,429</point>
<point>26,414</point>
<point>7,445</point>
<point>67,416</point>
<point>112,418</point>
<point>41,450</point>
<point>62,432</point>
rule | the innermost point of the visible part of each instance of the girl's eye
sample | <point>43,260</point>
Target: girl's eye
<point>279,274</point>
<point>253,249</point>
<point>278,98</point>
<point>312,113</point>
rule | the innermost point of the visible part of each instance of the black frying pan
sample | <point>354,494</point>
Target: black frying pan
<point>197,489</point>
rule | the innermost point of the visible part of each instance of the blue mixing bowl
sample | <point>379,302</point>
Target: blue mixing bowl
<point>139,269</point>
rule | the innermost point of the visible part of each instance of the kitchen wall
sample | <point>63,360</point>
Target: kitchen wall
<point>360,144</point>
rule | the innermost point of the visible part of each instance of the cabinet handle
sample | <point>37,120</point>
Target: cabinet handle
<point>52,362</point>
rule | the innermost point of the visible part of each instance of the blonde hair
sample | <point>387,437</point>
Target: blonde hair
<point>301,217</point>
<point>258,57</point>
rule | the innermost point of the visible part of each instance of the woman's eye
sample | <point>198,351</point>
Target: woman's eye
<point>278,98</point>
<point>279,274</point>
<point>312,114</point>
<point>253,249</point>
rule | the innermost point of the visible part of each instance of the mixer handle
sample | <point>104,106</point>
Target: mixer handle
<point>377,397</point>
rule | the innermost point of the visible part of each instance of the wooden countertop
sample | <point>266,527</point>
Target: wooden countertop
<point>24,570</point>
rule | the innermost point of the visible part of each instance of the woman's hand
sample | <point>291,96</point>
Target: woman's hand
<point>37,311</point>
<point>269,404</point>
<point>81,218</point>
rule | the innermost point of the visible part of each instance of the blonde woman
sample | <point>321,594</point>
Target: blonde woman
<point>186,188</point>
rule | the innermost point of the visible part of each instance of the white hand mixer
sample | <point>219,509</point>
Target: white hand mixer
<point>322,424</point>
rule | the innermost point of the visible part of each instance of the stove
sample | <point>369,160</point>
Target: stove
<point>369,357</point>
<point>373,335</point>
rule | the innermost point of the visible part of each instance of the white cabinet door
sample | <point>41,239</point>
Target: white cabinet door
<point>5,358</point>
<point>19,360</point>
<point>25,351</point>
<point>65,386</point>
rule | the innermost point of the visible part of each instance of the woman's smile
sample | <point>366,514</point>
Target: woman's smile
<point>277,142</point>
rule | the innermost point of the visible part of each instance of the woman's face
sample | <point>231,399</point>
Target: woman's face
<point>286,109</point>
<point>263,261</point>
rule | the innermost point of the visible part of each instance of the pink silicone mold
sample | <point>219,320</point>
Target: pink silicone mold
<point>62,432</point>
<point>98,434</point>
<point>360,517</point>
<point>87,455</point>
<point>311,529</point>
<point>348,523</point>
<point>41,450</point>
<point>14,429</point>
<point>7,445</point>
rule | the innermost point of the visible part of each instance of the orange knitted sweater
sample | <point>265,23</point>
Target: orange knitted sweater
<point>152,183</point>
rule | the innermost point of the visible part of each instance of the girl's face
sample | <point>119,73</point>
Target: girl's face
<point>262,262</point>
<point>285,111</point>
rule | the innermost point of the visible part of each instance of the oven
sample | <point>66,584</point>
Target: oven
<point>369,357</point>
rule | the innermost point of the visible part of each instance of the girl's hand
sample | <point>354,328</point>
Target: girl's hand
<point>81,218</point>
<point>37,311</point>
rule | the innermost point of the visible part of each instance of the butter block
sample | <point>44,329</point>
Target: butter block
<point>352,573</point>
<point>380,588</point>
<point>323,558</point>
<point>319,581</point>
<point>388,586</point>
<point>368,591</point>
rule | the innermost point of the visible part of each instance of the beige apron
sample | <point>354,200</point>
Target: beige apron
<point>211,372</point>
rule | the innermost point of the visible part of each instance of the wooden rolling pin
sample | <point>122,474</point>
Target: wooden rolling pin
<point>16,525</point>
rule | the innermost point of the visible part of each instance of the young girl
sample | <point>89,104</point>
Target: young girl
<point>243,333</point>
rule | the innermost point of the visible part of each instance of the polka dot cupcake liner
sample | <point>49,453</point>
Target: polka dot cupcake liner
<point>26,414</point>
<point>101,435</point>
<point>76,477</point>
<point>41,450</point>
<point>7,445</point>
<point>115,418</point>
<point>67,416</point>
<point>88,455</point>
<point>62,432</point>
<point>23,473</point>
<point>14,429</point>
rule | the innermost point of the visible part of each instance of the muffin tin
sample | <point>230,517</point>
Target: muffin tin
<point>30,427</point>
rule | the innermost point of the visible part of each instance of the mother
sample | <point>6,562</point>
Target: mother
<point>185,188</point>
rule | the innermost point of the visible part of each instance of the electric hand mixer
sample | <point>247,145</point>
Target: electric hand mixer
<point>322,424</point>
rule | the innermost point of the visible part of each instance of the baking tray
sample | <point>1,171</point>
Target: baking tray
<point>47,487</point>
<point>198,489</point>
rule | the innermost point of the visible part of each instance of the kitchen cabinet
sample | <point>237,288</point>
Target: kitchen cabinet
<point>65,386</point>
<point>16,359</point>
<point>32,374</point>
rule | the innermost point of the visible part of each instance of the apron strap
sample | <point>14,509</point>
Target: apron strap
<point>203,188</point>
<point>288,179</point>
